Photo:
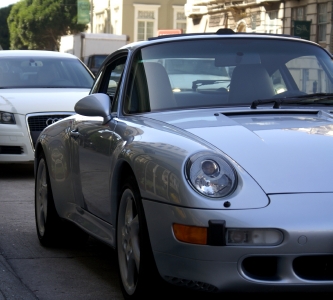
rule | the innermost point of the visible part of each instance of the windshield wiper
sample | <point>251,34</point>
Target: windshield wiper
<point>317,98</point>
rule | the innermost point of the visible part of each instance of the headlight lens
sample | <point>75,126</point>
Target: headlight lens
<point>7,118</point>
<point>211,175</point>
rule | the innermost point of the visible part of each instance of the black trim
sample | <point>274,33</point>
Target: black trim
<point>271,112</point>
<point>222,31</point>
<point>216,233</point>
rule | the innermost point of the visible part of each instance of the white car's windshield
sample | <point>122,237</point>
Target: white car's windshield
<point>43,72</point>
<point>235,71</point>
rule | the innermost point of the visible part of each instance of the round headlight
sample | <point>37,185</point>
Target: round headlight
<point>211,175</point>
<point>210,168</point>
<point>7,118</point>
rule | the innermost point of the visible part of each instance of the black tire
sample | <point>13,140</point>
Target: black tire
<point>137,269</point>
<point>46,216</point>
<point>51,229</point>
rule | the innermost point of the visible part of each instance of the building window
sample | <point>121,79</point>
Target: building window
<point>146,19</point>
<point>100,22</point>
<point>254,18</point>
<point>115,18</point>
<point>297,14</point>
<point>145,25</point>
<point>272,21</point>
<point>322,21</point>
<point>272,15</point>
<point>179,18</point>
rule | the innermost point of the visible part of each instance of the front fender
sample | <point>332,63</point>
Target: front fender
<point>157,155</point>
<point>55,143</point>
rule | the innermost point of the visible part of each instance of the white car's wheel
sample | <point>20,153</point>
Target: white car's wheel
<point>47,219</point>
<point>135,260</point>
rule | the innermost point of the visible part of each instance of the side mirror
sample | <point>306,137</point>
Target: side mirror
<point>95,105</point>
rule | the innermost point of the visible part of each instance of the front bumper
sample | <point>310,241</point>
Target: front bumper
<point>15,143</point>
<point>17,140</point>
<point>303,261</point>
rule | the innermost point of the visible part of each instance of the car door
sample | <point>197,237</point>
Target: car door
<point>92,143</point>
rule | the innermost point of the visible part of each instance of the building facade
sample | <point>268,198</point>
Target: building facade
<point>264,16</point>
<point>139,20</point>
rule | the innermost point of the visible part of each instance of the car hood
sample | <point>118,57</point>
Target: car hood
<point>283,152</point>
<point>24,101</point>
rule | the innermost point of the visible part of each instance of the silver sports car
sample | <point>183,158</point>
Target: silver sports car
<point>205,160</point>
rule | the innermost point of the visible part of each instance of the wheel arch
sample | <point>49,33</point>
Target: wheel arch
<point>121,171</point>
<point>38,151</point>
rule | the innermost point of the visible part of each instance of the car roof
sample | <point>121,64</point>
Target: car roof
<point>39,53</point>
<point>203,36</point>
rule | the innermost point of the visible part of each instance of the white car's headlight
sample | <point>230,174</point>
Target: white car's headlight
<point>211,175</point>
<point>7,118</point>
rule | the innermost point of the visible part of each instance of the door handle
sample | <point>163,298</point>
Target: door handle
<point>75,133</point>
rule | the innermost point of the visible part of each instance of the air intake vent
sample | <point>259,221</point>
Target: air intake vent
<point>11,150</point>
<point>190,284</point>
<point>261,267</point>
<point>314,267</point>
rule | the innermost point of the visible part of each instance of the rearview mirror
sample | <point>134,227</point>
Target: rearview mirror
<point>239,58</point>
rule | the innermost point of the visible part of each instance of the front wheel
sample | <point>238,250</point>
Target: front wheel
<point>51,229</point>
<point>46,216</point>
<point>136,264</point>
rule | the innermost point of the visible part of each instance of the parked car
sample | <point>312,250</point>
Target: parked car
<point>37,88</point>
<point>93,62</point>
<point>214,189</point>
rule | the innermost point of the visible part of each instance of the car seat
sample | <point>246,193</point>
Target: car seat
<point>250,82</point>
<point>160,91</point>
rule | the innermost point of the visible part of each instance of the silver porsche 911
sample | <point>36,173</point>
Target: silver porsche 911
<point>204,160</point>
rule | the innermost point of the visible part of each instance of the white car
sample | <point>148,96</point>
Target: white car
<point>37,88</point>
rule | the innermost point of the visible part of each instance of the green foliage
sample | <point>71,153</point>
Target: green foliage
<point>4,32</point>
<point>38,24</point>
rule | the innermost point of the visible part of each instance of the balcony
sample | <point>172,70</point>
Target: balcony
<point>219,2</point>
<point>196,8</point>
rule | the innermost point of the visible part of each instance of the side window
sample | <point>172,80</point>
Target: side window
<point>278,82</point>
<point>97,83</point>
<point>115,81</point>
<point>115,78</point>
<point>137,95</point>
<point>308,75</point>
<point>110,80</point>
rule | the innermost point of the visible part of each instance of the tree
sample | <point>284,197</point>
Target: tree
<point>38,24</point>
<point>4,31</point>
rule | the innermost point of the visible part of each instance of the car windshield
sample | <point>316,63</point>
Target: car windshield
<point>43,72</point>
<point>225,72</point>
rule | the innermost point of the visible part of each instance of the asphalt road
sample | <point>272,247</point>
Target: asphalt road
<point>31,271</point>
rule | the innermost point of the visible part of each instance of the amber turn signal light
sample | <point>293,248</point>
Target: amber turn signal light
<point>190,234</point>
